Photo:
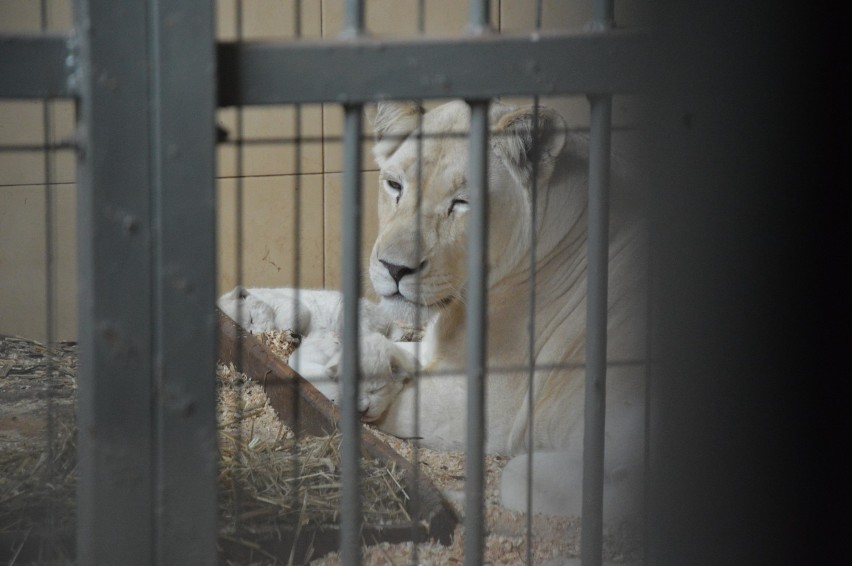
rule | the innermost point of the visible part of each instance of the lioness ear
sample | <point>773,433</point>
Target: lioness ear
<point>525,146</point>
<point>392,124</point>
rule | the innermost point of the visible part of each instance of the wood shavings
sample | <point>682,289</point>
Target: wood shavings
<point>244,412</point>
<point>555,539</point>
<point>281,342</point>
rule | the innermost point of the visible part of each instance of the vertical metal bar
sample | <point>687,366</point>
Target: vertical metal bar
<point>603,14</point>
<point>239,267</point>
<point>415,454</point>
<point>530,540</point>
<point>147,429</point>
<point>295,406</point>
<point>476,311</point>
<point>350,453</point>
<point>421,17</point>
<point>182,137</point>
<point>353,19</point>
<point>49,289</point>
<point>478,16</point>
<point>649,379</point>
<point>476,319</point>
<point>596,323</point>
<point>531,317</point>
<point>350,449</point>
<point>115,503</point>
<point>596,315</point>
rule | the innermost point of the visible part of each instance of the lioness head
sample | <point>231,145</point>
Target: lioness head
<point>419,254</point>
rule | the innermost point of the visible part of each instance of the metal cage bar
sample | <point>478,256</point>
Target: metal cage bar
<point>596,312</point>
<point>596,325</point>
<point>147,438</point>
<point>476,311</point>
<point>183,191</point>
<point>475,337</point>
<point>115,387</point>
<point>311,71</point>
<point>137,193</point>
<point>350,453</point>
<point>37,66</point>
<point>350,457</point>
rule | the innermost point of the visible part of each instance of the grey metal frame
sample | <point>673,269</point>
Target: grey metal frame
<point>146,411</point>
<point>144,75</point>
<point>581,62</point>
<point>597,262</point>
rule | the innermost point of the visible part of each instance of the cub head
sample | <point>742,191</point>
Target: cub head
<point>248,310</point>
<point>419,257</point>
<point>384,369</point>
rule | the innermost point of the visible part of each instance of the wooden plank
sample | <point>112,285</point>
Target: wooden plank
<point>302,407</point>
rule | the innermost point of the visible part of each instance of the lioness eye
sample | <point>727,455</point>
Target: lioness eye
<point>394,188</point>
<point>458,205</point>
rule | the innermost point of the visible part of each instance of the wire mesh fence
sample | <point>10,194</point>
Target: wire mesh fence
<point>295,207</point>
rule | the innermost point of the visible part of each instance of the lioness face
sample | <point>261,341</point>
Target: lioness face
<point>420,257</point>
<point>419,254</point>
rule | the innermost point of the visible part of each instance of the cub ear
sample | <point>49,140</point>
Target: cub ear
<point>403,364</point>
<point>529,140</point>
<point>392,124</point>
<point>332,368</point>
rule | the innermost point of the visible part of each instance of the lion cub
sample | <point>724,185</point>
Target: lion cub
<point>316,315</point>
<point>385,367</point>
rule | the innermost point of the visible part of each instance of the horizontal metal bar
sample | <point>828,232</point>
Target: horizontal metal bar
<point>365,69</point>
<point>36,66</point>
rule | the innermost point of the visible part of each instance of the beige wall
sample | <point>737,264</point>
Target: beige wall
<point>270,175</point>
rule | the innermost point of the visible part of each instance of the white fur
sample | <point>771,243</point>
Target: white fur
<point>436,283</point>
<point>316,315</point>
<point>262,309</point>
<point>311,358</point>
<point>385,366</point>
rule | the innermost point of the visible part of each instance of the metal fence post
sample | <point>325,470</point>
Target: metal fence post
<point>350,453</point>
<point>476,338</point>
<point>146,419</point>
<point>183,190</point>
<point>350,449</point>
<point>476,314</point>
<point>476,335</point>
<point>115,388</point>
<point>596,312</point>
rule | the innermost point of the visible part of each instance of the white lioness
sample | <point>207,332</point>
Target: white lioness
<point>429,273</point>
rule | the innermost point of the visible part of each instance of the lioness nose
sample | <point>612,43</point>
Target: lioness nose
<point>400,271</point>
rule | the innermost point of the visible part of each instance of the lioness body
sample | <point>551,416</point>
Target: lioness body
<point>401,266</point>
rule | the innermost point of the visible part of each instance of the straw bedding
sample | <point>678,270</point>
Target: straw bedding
<point>265,473</point>
<point>258,457</point>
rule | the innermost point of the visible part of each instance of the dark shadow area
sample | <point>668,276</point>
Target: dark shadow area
<point>750,213</point>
